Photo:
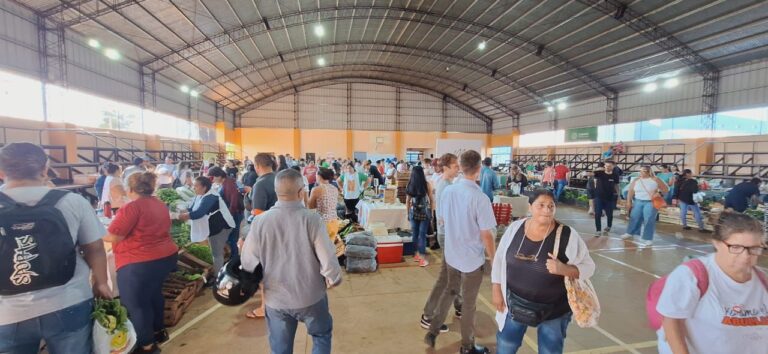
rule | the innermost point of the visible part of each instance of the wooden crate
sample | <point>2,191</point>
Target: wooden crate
<point>176,307</point>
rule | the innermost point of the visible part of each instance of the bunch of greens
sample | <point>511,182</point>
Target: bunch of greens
<point>755,213</point>
<point>180,233</point>
<point>111,315</point>
<point>188,276</point>
<point>168,195</point>
<point>200,251</point>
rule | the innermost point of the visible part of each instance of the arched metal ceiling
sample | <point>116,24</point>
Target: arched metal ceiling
<point>536,50</point>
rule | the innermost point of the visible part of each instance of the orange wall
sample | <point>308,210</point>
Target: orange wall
<point>256,140</point>
<point>324,143</point>
<point>367,141</point>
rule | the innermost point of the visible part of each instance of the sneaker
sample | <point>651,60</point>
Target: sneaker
<point>475,349</point>
<point>626,237</point>
<point>646,243</point>
<point>458,314</point>
<point>426,323</point>
<point>598,233</point>
<point>607,230</point>
<point>161,336</point>
<point>687,228</point>
<point>416,258</point>
<point>423,262</point>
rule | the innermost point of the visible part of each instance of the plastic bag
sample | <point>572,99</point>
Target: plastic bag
<point>361,265</point>
<point>360,252</point>
<point>698,197</point>
<point>583,301</point>
<point>362,238</point>
<point>118,343</point>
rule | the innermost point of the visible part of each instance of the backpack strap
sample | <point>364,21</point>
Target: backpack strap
<point>700,272</point>
<point>556,249</point>
<point>52,197</point>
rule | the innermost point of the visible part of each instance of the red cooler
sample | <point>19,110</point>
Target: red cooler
<point>389,249</point>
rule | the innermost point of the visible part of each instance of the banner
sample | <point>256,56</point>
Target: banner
<point>458,146</point>
<point>581,134</point>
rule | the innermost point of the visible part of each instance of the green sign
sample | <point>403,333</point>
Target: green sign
<point>581,134</point>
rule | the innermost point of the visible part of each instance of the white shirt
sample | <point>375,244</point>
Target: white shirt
<point>466,211</point>
<point>165,173</point>
<point>85,228</point>
<point>644,186</point>
<point>576,251</point>
<point>725,301</point>
<point>435,179</point>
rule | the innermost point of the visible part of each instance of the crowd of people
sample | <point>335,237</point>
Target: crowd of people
<point>289,205</point>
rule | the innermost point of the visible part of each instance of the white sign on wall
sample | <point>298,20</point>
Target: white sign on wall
<point>458,146</point>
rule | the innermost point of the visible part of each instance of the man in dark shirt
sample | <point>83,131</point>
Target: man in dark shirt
<point>375,174</point>
<point>685,188</point>
<point>739,197</point>
<point>606,192</point>
<point>231,195</point>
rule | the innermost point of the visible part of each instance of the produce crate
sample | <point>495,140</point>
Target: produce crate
<point>178,298</point>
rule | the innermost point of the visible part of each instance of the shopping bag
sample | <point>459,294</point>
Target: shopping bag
<point>582,297</point>
<point>121,342</point>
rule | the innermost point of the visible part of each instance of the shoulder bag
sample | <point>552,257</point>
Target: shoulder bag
<point>582,297</point>
<point>656,198</point>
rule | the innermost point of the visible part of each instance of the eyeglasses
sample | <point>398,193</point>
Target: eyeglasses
<point>739,249</point>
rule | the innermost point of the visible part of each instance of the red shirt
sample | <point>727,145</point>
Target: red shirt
<point>311,173</point>
<point>145,223</point>
<point>561,171</point>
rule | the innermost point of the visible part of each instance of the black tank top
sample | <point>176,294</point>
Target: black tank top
<point>531,280</point>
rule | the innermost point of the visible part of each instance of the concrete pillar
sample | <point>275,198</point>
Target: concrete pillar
<point>705,154</point>
<point>297,143</point>
<point>350,144</point>
<point>67,139</point>
<point>399,151</point>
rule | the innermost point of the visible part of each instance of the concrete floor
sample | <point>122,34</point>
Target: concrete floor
<point>379,312</point>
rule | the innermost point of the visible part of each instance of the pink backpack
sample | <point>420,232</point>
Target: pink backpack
<point>702,280</point>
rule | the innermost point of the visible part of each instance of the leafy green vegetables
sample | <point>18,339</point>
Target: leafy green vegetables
<point>110,314</point>
<point>200,251</point>
<point>168,195</point>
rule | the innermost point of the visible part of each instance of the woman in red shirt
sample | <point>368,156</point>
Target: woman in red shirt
<point>144,256</point>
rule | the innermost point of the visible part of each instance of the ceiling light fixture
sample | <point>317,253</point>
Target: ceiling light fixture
<point>321,61</point>
<point>481,46</point>
<point>319,31</point>
<point>112,53</point>
<point>184,88</point>
<point>93,43</point>
<point>671,83</point>
<point>550,109</point>
<point>193,93</point>
<point>650,87</point>
<point>561,106</point>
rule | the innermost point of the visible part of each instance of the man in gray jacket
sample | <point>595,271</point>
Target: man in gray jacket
<point>299,261</point>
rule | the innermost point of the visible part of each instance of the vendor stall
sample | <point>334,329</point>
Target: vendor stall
<point>519,204</point>
<point>393,216</point>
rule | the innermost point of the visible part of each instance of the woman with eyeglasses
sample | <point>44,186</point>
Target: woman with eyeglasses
<point>731,315</point>
<point>527,279</point>
<point>642,214</point>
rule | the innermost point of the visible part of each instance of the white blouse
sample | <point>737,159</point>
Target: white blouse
<point>576,251</point>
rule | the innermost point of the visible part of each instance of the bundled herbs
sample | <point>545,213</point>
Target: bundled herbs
<point>168,196</point>
<point>110,315</point>
<point>180,233</point>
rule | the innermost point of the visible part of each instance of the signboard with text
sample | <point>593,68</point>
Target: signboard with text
<point>581,134</point>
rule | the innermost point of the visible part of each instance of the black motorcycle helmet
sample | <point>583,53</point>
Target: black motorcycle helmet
<point>234,286</point>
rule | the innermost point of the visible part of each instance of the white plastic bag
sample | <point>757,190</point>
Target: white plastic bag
<point>102,340</point>
<point>583,301</point>
<point>698,197</point>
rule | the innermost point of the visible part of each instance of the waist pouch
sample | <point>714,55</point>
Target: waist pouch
<point>528,312</point>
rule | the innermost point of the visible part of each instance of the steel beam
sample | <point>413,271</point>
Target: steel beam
<point>365,80</point>
<point>307,17</point>
<point>379,69</point>
<point>85,9</point>
<point>52,52</point>
<point>675,47</point>
<point>326,49</point>
<point>148,89</point>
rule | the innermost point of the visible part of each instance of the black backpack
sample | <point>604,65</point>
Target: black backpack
<point>36,247</point>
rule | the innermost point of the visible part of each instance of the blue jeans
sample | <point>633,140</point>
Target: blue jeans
<point>643,215</point>
<point>67,331</point>
<point>551,335</point>
<point>559,187</point>
<point>670,195</point>
<point>141,292</point>
<point>696,214</point>
<point>235,235</point>
<point>282,327</point>
<point>419,232</point>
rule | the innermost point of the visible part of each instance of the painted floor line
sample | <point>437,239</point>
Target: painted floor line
<point>628,265</point>
<point>616,348</point>
<point>194,321</point>
<point>616,340</point>
<point>655,248</point>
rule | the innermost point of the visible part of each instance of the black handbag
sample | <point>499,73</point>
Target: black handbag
<point>528,312</point>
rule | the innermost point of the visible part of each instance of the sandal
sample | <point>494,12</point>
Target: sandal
<point>255,314</point>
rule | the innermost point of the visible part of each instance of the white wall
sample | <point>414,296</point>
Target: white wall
<point>742,86</point>
<point>373,108</point>
<point>87,69</point>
